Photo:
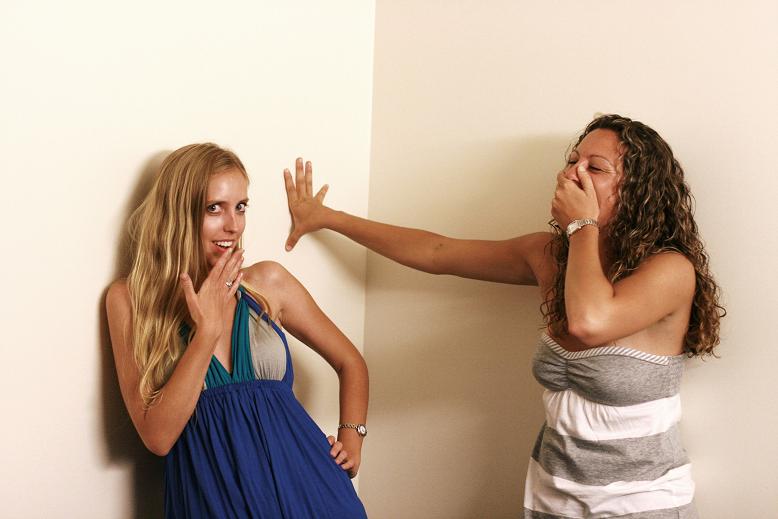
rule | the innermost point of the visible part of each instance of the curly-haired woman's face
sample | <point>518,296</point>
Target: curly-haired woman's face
<point>601,149</point>
<point>225,213</point>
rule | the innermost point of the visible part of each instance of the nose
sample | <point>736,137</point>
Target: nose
<point>571,171</point>
<point>231,222</point>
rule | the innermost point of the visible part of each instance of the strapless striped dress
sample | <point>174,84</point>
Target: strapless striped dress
<point>610,446</point>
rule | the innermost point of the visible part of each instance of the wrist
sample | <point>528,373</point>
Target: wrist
<point>581,223</point>
<point>335,220</point>
<point>328,217</point>
<point>208,333</point>
<point>351,439</point>
<point>357,429</point>
<point>585,233</point>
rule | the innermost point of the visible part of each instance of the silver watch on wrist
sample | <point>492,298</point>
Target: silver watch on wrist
<point>576,225</point>
<point>359,427</point>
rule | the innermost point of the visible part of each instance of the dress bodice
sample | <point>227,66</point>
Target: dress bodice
<point>612,375</point>
<point>610,445</point>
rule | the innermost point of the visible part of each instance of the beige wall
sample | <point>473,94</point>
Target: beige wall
<point>91,94</point>
<point>474,106</point>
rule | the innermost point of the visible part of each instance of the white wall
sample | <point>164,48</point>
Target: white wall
<point>474,106</point>
<point>92,93</point>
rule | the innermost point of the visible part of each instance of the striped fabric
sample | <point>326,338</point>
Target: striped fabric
<point>610,446</point>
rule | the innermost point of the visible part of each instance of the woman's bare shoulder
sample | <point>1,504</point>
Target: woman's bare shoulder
<point>672,259</point>
<point>536,248</point>
<point>266,275</point>
<point>671,266</point>
<point>117,297</point>
<point>668,263</point>
<point>275,284</point>
<point>537,242</point>
<point>118,308</point>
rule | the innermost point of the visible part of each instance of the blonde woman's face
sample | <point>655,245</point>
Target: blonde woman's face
<point>225,213</point>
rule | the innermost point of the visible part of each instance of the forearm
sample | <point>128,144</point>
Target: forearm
<point>588,292</point>
<point>413,248</point>
<point>354,391</point>
<point>161,425</point>
<point>353,379</point>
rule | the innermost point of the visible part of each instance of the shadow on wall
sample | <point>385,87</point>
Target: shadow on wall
<point>122,443</point>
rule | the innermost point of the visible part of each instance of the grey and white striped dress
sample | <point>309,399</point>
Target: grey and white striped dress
<point>610,446</point>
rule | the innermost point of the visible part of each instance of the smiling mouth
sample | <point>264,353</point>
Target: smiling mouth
<point>226,244</point>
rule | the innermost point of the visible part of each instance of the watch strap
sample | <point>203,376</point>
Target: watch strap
<point>576,225</point>
<point>359,427</point>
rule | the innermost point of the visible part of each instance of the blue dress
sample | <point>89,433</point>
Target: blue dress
<point>250,450</point>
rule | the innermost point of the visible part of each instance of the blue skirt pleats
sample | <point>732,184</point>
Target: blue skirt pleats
<point>250,450</point>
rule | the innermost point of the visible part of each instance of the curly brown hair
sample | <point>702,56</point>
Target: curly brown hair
<point>654,213</point>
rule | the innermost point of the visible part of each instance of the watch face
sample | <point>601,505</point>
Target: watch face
<point>362,430</point>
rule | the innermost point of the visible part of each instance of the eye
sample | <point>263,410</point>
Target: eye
<point>213,208</point>
<point>594,168</point>
<point>242,207</point>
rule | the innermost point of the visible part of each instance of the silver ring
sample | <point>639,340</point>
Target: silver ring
<point>229,284</point>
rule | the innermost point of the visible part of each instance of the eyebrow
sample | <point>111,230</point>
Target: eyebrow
<point>598,156</point>
<point>219,202</point>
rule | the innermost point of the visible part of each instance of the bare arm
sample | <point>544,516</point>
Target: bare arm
<point>303,318</point>
<point>599,311</point>
<point>160,426</point>
<point>513,261</point>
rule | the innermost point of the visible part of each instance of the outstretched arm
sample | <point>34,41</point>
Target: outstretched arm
<point>514,261</point>
<point>302,317</point>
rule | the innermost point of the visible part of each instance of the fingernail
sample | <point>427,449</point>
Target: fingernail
<point>288,248</point>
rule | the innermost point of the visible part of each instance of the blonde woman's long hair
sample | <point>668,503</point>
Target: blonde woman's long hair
<point>165,237</point>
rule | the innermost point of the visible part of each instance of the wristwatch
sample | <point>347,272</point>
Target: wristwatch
<point>576,225</point>
<point>359,427</point>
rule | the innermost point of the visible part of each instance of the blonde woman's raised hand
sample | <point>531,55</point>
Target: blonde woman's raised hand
<point>209,306</point>
<point>307,210</point>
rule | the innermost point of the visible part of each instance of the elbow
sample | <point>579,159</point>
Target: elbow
<point>588,330</point>
<point>354,368</point>
<point>436,261</point>
<point>158,445</point>
<point>357,366</point>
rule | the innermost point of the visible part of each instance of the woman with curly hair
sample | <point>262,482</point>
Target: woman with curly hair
<point>628,296</point>
<point>204,366</point>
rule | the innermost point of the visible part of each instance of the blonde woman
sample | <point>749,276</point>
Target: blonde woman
<point>628,295</point>
<point>204,366</point>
